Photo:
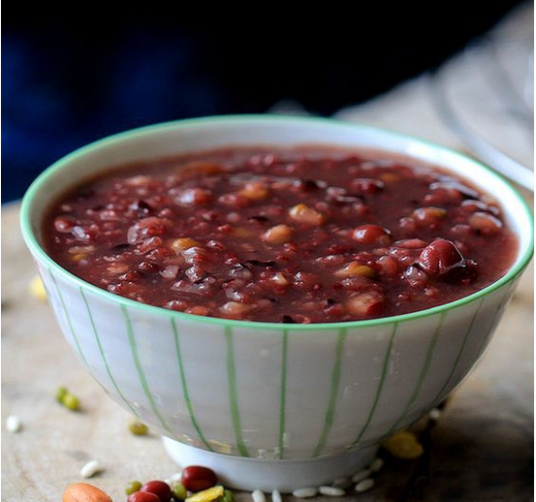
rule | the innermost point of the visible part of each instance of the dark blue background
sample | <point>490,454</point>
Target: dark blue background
<point>69,80</point>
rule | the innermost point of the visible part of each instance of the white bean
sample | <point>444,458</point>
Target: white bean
<point>376,464</point>
<point>364,485</point>
<point>276,496</point>
<point>361,475</point>
<point>90,469</point>
<point>13,423</point>
<point>258,496</point>
<point>304,493</point>
<point>331,491</point>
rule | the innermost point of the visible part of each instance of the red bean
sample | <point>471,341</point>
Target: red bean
<point>143,497</point>
<point>439,256</point>
<point>161,489</point>
<point>196,478</point>
<point>372,234</point>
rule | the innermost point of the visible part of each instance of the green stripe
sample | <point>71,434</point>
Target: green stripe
<point>233,396</point>
<point>101,350</point>
<point>460,352</point>
<point>185,392</point>
<point>139,370</point>
<point>335,380</point>
<point>422,375</point>
<point>500,306</point>
<point>385,366</point>
<point>69,322</point>
<point>283,393</point>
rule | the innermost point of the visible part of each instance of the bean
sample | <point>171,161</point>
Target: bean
<point>372,234</point>
<point>138,428</point>
<point>143,497</point>
<point>159,488</point>
<point>305,214</point>
<point>179,491</point>
<point>133,487</point>
<point>278,234</point>
<point>404,445</point>
<point>196,478</point>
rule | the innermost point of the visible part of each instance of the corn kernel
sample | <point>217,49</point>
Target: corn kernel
<point>207,495</point>
<point>78,257</point>
<point>403,445</point>
<point>37,288</point>
<point>354,269</point>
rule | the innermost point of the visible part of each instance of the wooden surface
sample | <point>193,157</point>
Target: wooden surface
<point>480,449</point>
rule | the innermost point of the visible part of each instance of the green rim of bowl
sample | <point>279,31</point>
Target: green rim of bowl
<point>27,232</point>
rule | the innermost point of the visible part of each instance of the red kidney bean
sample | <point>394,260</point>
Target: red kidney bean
<point>196,478</point>
<point>372,234</point>
<point>161,489</point>
<point>143,497</point>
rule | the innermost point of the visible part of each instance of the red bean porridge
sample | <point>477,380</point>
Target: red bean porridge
<point>299,236</point>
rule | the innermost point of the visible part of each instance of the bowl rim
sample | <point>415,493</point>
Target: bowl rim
<point>38,251</point>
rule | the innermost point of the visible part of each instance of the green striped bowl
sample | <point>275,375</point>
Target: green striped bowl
<point>285,394</point>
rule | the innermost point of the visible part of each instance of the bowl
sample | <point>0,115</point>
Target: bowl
<point>267,405</point>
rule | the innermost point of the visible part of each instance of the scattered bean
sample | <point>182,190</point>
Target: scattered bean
<point>37,288</point>
<point>84,492</point>
<point>159,488</point>
<point>13,423</point>
<point>227,496</point>
<point>138,428</point>
<point>143,497</point>
<point>258,496</point>
<point>132,487</point>
<point>196,478</point>
<point>331,491</point>
<point>404,445</point>
<point>364,485</point>
<point>91,468</point>
<point>304,493</point>
<point>70,401</point>
<point>179,491</point>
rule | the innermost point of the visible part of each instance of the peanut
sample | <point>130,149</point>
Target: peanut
<point>84,492</point>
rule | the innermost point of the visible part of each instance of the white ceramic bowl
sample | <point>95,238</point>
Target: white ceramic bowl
<point>269,405</point>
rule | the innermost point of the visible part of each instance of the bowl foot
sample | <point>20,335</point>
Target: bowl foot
<point>267,475</point>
